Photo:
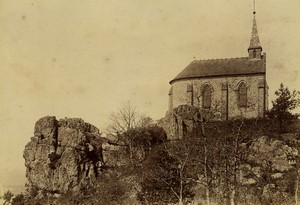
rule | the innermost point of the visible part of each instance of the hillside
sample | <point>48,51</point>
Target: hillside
<point>68,161</point>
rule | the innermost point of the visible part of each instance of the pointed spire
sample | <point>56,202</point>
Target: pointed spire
<point>254,41</point>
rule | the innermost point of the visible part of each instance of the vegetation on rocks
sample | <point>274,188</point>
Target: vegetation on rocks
<point>242,161</point>
<point>217,163</point>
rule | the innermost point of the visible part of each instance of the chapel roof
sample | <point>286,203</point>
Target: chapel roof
<point>221,68</point>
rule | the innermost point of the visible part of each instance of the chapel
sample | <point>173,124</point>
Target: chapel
<point>227,88</point>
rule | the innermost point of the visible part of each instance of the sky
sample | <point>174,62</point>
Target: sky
<point>85,59</point>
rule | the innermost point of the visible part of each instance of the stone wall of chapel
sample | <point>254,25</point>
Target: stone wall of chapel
<point>255,95</point>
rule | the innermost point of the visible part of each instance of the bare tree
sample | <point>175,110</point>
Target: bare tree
<point>167,174</point>
<point>181,153</point>
<point>123,121</point>
<point>127,117</point>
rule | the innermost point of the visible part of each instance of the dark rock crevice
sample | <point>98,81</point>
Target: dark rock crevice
<point>62,154</point>
<point>55,136</point>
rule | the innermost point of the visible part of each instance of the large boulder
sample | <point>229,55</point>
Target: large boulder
<point>272,154</point>
<point>268,171</point>
<point>63,155</point>
<point>180,120</point>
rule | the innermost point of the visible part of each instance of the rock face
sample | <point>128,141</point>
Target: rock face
<point>269,172</point>
<point>63,155</point>
<point>180,120</point>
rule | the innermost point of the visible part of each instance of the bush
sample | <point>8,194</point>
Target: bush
<point>18,200</point>
<point>7,196</point>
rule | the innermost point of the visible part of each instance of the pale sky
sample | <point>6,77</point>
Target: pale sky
<point>77,58</point>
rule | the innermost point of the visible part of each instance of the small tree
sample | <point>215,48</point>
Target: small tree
<point>166,180</point>
<point>7,196</point>
<point>127,117</point>
<point>18,200</point>
<point>285,102</point>
<point>124,123</point>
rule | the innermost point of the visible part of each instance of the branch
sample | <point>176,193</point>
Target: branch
<point>170,187</point>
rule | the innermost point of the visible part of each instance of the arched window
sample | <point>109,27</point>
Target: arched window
<point>242,95</point>
<point>190,92</point>
<point>206,97</point>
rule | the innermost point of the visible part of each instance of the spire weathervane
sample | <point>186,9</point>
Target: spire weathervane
<point>254,12</point>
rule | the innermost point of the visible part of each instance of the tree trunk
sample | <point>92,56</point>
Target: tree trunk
<point>206,176</point>
<point>234,192</point>
<point>227,189</point>
<point>130,152</point>
<point>280,126</point>
<point>232,197</point>
<point>181,187</point>
<point>207,193</point>
<point>297,188</point>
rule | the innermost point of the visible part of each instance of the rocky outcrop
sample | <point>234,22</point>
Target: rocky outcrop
<point>63,155</point>
<point>69,154</point>
<point>269,172</point>
<point>180,120</point>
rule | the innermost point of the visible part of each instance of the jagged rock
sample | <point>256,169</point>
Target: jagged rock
<point>272,154</point>
<point>180,120</point>
<point>114,154</point>
<point>63,155</point>
<point>272,195</point>
<point>267,154</point>
<point>267,166</point>
<point>256,171</point>
<point>277,175</point>
<point>249,181</point>
<point>291,138</point>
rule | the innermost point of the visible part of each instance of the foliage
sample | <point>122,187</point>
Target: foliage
<point>7,196</point>
<point>206,163</point>
<point>136,143</point>
<point>109,189</point>
<point>113,186</point>
<point>134,130</point>
<point>32,192</point>
<point>163,176</point>
<point>285,102</point>
<point>18,200</point>
<point>140,141</point>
